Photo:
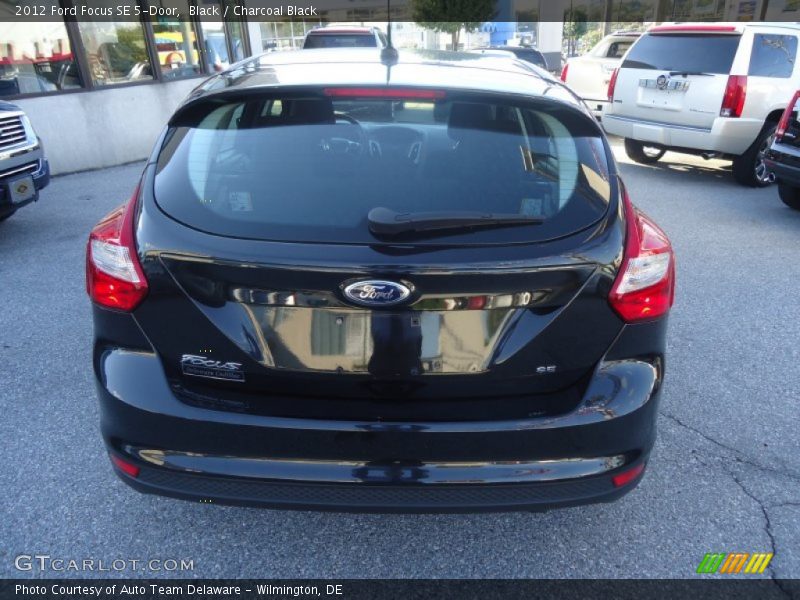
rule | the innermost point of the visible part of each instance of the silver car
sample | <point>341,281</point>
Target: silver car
<point>23,167</point>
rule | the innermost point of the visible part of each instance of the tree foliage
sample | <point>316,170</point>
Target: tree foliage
<point>450,16</point>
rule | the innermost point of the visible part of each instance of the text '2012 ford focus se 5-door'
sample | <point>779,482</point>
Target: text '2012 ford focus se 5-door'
<point>412,286</point>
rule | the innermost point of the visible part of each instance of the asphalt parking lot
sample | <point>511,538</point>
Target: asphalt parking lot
<point>724,476</point>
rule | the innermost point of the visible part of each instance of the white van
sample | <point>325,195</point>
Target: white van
<point>715,89</point>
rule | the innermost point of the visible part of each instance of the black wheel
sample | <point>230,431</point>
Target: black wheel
<point>642,153</point>
<point>750,169</point>
<point>790,195</point>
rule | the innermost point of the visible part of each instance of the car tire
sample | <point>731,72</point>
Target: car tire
<point>790,195</point>
<point>749,168</point>
<point>642,153</point>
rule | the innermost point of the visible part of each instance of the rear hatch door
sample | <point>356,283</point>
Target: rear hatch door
<point>676,77</point>
<point>269,287</point>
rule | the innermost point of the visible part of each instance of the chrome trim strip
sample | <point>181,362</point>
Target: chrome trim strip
<point>308,299</point>
<point>31,168</point>
<point>348,471</point>
<point>668,85</point>
<point>8,153</point>
<point>658,123</point>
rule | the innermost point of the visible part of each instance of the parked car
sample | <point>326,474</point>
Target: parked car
<point>321,295</point>
<point>588,75</point>
<point>24,170</point>
<point>717,90</point>
<point>331,36</point>
<point>503,53</point>
<point>524,53</point>
<point>783,156</point>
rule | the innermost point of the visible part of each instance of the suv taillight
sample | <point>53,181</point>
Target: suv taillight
<point>645,285</point>
<point>612,83</point>
<point>564,72</point>
<point>733,100</point>
<point>783,124</point>
<point>114,277</point>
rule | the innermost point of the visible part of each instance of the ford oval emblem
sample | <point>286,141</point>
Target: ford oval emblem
<point>376,292</point>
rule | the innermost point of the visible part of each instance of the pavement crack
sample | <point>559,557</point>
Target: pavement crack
<point>767,530</point>
<point>767,523</point>
<point>740,457</point>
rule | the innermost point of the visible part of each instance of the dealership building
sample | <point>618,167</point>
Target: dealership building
<point>99,91</point>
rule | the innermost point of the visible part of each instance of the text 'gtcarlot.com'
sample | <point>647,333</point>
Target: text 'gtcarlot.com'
<point>46,563</point>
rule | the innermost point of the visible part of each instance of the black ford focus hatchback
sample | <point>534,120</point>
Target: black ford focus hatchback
<point>349,284</point>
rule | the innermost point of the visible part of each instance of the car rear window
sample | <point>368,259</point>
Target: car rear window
<point>611,49</point>
<point>309,167</point>
<point>773,55</point>
<point>683,52</point>
<point>532,56</point>
<point>340,40</point>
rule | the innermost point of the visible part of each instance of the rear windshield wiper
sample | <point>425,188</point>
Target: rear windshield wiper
<point>384,221</point>
<point>685,73</point>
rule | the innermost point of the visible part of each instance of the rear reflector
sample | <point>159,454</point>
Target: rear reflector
<point>124,466</point>
<point>114,277</point>
<point>783,124</point>
<point>733,100</point>
<point>645,284</point>
<point>385,92</point>
<point>612,84</point>
<point>628,476</point>
<point>564,72</point>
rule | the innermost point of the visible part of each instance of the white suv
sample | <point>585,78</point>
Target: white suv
<point>588,75</point>
<point>711,89</point>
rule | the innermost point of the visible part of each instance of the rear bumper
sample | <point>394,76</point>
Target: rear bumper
<point>218,456</point>
<point>786,174</point>
<point>598,107</point>
<point>727,136</point>
<point>387,493</point>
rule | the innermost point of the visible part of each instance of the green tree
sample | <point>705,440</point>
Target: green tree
<point>575,26</point>
<point>450,16</point>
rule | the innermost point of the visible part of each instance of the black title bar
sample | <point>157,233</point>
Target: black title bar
<point>379,11</point>
<point>442,589</point>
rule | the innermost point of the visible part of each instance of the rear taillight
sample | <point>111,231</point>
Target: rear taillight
<point>114,277</point>
<point>783,124</point>
<point>733,100</point>
<point>645,285</point>
<point>564,72</point>
<point>612,83</point>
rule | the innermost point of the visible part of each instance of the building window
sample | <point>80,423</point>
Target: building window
<point>236,36</point>
<point>36,58</point>
<point>176,43</point>
<point>50,57</point>
<point>116,52</point>
<point>219,54</point>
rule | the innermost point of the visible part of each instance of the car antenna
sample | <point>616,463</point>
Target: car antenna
<point>389,54</point>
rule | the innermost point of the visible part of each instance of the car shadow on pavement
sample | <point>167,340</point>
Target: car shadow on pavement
<point>691,168</point>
